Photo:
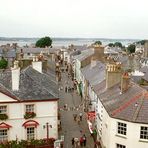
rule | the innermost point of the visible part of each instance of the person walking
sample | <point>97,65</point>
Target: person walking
<point>75,117</point>
<point>72,142</point>
<point>84,140</point>
<point>66,89</point>
<point>78,120</point>
<point>81,141</point>
<point>80,115</point>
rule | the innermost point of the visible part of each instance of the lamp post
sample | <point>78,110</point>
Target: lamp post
<point>47,127</point>
<point>47,130</point>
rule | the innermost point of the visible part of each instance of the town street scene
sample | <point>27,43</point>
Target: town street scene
<point>65,84</point>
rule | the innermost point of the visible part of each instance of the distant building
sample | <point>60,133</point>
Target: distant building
<point>146,49</point>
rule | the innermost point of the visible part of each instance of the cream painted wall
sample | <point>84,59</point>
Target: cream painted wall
<point>4,98</point>
<point>109,134</point>
<point>45,112</point>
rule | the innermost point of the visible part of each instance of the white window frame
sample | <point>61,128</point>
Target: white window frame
<point>144,134</point>
<point>4,111</point>
<point>121,129</point>
<point>4,137</point>
<point>29,137</point>
<point>120,145</point>
<point>27,109</point>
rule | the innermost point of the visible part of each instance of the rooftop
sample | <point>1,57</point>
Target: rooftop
<point>33,85</point>
<point>84,54</point>
<point>94,74</point>
<point>129,106</point>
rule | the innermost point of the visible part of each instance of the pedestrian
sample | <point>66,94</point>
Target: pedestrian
<point>81,141</point>
<point>84,140</point>
<point>65,107</point>
<point>72,141</point>
<point>75,117</point>
<point>78,120</point>
<point>65,88</point>
<point>80,115</point>
<point>76,142</point>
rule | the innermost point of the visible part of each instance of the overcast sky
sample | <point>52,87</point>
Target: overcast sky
<point>74,18</point>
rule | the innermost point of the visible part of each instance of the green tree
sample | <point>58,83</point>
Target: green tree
<point>111,45</point>
<point>142,42</point>
<point>98,43</point>
<point>43,42</point>
<point>131,48</point>
<point>118,44</point>
<point>3,63</point>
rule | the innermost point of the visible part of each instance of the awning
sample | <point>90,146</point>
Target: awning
<point>30,123</point>
<point>91,115</point>
<point>90,126</point>
<point>4,125</point>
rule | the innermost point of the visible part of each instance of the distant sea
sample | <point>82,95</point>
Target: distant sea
<point>65,41</point>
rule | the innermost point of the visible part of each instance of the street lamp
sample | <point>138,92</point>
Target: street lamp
<point>47,129</point>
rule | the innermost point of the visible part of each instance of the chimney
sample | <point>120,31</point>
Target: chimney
<point>15,76</point>
<point>21,54</point>
<point>93,62</point>
<point>125,79</point>
<point>113,74</point>
<point>37,65</point>
<point>99,52</point>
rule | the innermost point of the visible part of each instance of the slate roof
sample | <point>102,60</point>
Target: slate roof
<point>94,74</point>
<point>10,54</point>
<point>1,51</point>
<point>33,85</point>
<point>36,50</point>
<point>145,71</point>
<point>84,54</point>
<point>129,106</point>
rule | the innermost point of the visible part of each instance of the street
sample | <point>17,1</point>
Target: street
<point>70,128</point>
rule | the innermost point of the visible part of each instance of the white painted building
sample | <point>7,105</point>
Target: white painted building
<point>121,111</point>
<point>28,104</point>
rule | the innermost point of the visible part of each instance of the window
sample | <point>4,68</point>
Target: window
<point>144,132</point>
<point>3,135</point>
<point>30,108</point>
<point>3,109</point>
<point>30,133</point>
<point>122,128</point>
<point>120,146</point>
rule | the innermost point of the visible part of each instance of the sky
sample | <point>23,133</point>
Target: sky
<point>74,18</point>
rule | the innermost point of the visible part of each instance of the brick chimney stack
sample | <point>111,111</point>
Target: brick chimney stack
<point>113,74</point>
<point>15,70</point>
<point>125,80</point>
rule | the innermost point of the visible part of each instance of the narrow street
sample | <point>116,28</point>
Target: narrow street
<point>70,128</point>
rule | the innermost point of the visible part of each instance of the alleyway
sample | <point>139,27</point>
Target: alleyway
<point>70,128</point>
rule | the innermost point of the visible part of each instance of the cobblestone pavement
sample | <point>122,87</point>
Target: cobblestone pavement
<point>70,128</point>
